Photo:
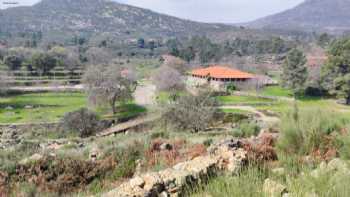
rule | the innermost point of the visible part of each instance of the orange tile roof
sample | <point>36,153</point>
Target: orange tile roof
<point>221,72</point>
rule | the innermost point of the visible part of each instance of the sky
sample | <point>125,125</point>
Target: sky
<point>223,11</point>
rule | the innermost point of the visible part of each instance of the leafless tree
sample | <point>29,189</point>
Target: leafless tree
<point>109,84</point>
<point>97,55</point>
<point>168,79</point>
<point>176,63</point>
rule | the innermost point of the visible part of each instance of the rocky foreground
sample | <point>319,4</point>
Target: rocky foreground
<point>227,156</point>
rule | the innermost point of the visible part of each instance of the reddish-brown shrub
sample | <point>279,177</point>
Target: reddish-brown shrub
<point>196,151</point>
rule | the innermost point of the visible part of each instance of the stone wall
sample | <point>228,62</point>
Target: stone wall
<point>227,156</point>
<point>12,134</point>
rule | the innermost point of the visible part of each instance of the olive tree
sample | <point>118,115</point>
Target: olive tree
<point>109,84</point>
<point>43,62</point>
<point>193,113</point>
<point>83,121</point>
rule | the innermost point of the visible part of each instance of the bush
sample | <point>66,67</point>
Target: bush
<point>230,88</point>
<point>309,131</point>
<point>82,121</point>
<point>127,161</point>
<point>193,113</point>
<point>246,129</point>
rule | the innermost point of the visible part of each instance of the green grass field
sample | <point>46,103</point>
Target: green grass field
<point>276,91</point>
<point>49,107</point>
<point>246,100</point>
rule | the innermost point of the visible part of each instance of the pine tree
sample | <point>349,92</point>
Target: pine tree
<point>336,72</point>
<point>295,72</point>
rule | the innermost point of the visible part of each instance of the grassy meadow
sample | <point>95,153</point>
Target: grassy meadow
<point>50,107</point>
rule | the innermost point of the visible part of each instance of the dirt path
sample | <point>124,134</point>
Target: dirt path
<point>145,94</point>
<point>269,120</point>
<point>128,125</point>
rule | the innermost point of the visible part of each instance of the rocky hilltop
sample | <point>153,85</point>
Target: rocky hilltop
<point>312,15</point>
<point>58,17</point>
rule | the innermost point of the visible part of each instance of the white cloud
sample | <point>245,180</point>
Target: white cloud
<point>227,11</point>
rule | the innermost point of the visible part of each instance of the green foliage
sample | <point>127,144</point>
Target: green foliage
<point>230,88</point>
<point>248,183</point>
<point>13,62</point>
<point>276,91</point>
<point>127,161</point>
<point>295,71</point>
<point>324,40</point>
<point>44,106</point>
<point>247,100</point>
<point>43,62</point>
<point>161,134</point>
<point>208,142</point>
<point>336,72</point>
<point>308,130</point>
<point>245,129</point>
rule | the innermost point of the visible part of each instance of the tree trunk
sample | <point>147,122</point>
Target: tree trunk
<point>348,100</point>
<point>112,102</point>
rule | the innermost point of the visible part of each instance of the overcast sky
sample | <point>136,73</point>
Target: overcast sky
<point>224,11</point>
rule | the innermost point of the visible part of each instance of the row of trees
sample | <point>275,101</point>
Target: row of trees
<point>205,50</point>
<point>38,60</point>
<point>334,76</point>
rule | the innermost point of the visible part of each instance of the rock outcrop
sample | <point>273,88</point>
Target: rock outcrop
<point>227,156</point>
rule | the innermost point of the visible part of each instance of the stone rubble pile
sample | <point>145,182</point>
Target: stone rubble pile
<point>227,156</point>
<point>9,136</point>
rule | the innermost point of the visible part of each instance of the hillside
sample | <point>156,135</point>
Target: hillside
<point>64,17</point>
<point>312,15</point>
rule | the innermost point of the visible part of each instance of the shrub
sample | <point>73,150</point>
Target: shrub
<point>193,113</point>
<point>82,121</point>
<point>248,183</point>
<point>160,134</point>
<point>230,88</point>
<point>309,131</point>
<point>208,142</point>
<point>246,129</point>
<point>127,161</point>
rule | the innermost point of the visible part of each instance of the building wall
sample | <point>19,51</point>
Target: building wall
<point>216,85</point>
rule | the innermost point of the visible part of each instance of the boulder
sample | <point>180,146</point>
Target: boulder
<point>34,158</point>
<point>174,180</point>
<point>9,108</point>
<point>278,171</point>
<point>94,154</point>
<point>337,165</point>
<point>274,189</point>
<point>28,107</point>
<point>137,182</point>
<point>153,182</point>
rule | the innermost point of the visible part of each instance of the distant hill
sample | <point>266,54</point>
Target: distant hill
<point>59,18</point>
<point>312,15</point>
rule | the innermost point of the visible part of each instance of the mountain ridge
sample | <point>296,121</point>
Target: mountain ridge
<point>311,15</point>
<point>101,16</point>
